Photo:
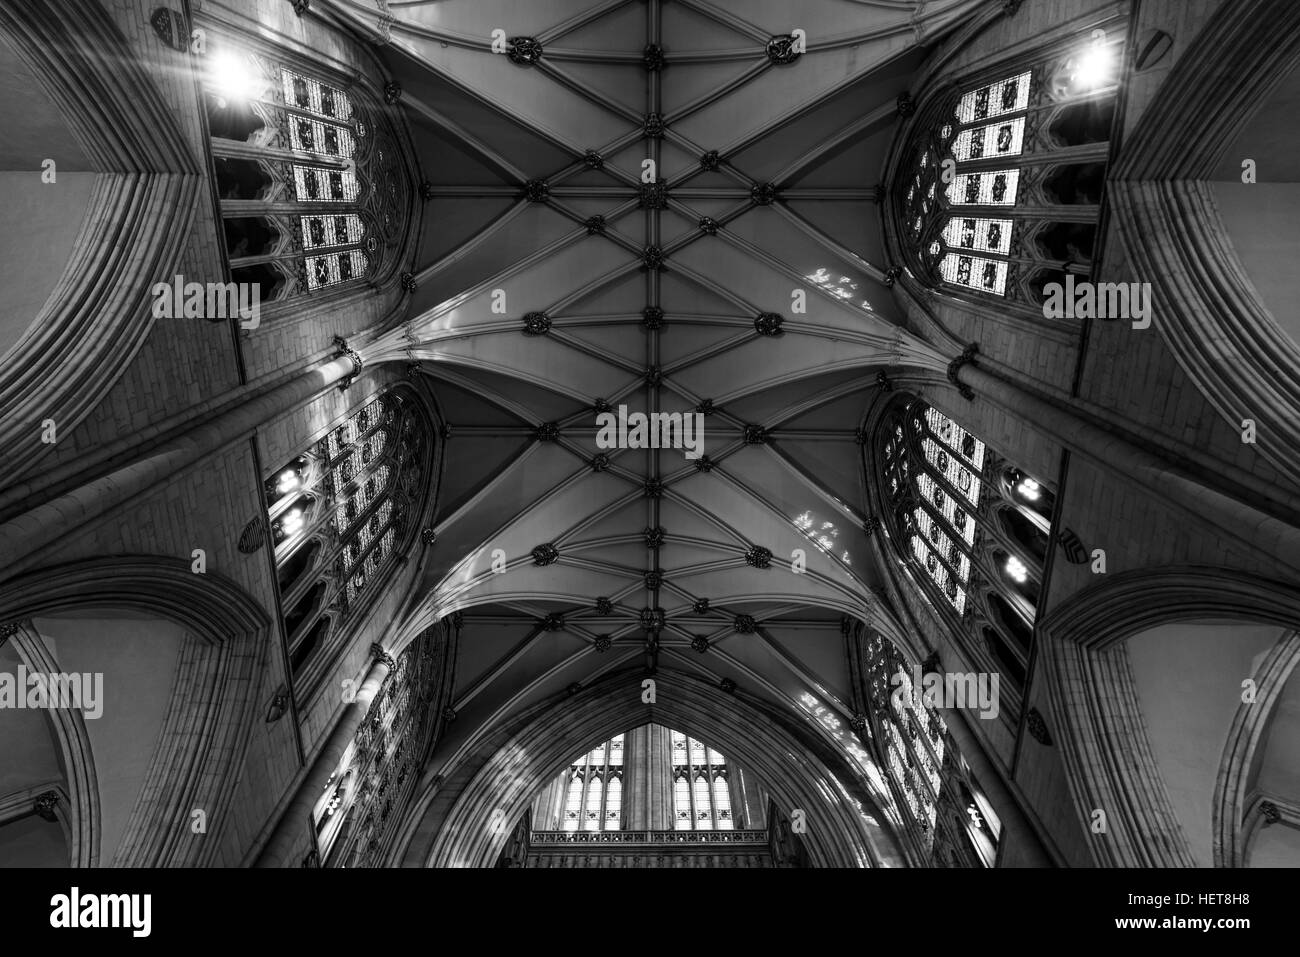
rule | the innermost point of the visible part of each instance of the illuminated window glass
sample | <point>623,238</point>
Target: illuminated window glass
<point>1005,96</point>
<point>722,803</point>
<point>320,232</point>
<point>335,268</point>
<point>979,234</point>
<point>682,803</point>
<point>995,188</point>
<point>594,818</point>
<point>573,804</point>
<point>314,136</point>
<point>613,803</point>
<point>1005,138</point>
<point>313,96</point>
<point>974,272</point>
<point>937,471</point>
<point>314,184</point>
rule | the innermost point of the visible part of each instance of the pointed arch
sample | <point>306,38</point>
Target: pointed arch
<point>213,702</point>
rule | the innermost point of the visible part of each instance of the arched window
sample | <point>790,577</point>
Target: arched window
<point>1002,186</point>
<point>699,776</point>
<point>594,793</point>
<point>955,825</point>
<point>312,195</point>
<point>363,798</point>
<point>691,788</point>
<point>949,501</point>
<point>339,514</point>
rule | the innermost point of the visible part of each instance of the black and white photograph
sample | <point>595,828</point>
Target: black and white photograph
<point>649,434</point>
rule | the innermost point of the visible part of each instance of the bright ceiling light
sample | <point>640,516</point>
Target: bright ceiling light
<point>233,76</point>
<point>1028,488</point>
<point>1092,68</point>
<point>1017,570</point>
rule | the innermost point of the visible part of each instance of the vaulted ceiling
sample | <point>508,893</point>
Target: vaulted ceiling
<point>659,296</point>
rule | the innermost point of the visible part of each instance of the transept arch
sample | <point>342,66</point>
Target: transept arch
<point>203,720</point>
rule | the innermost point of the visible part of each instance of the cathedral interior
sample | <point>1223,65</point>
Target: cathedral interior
<point>649,433</point>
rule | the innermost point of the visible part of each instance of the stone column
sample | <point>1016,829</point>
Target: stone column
<point>636,776</point>
<point>660,781</point>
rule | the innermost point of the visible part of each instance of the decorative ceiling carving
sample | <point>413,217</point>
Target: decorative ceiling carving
<point>676,205</point>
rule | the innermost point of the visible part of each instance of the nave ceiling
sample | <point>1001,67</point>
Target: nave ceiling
<point>657,307</point>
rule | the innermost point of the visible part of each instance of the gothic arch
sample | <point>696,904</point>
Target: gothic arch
<point>1212,315</point>
<point>495,782</point>
<point>1235,808</point>
<point>146,185</point>
<point>1091,690</point>
<point>212,702</point>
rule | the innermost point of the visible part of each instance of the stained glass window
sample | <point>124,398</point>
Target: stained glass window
<point>936,475</point>
<point>311,95</point>
<point>1005,96</point>
<point>594,794</point>
<point>699,775</point>
<point>355,486</point>
<point>972,250</point>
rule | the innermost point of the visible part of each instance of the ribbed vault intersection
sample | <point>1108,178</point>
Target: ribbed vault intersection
<point>668,207</point>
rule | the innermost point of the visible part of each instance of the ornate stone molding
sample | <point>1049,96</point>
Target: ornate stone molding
<point>967,357</point>
<point>346,351</point>
<point>523,51</point>
<point>768,324</point>
<point>545,554</point>
<point>381,657</point>
<point>253,535</point>
<point>782,49</point>
<point>536,324</point>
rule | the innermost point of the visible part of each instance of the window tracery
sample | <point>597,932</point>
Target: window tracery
<point>311,188</point>
<point>338,513</point>
<point>973,527</point>
<point>954,824</point>
<point>1005,176</point>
